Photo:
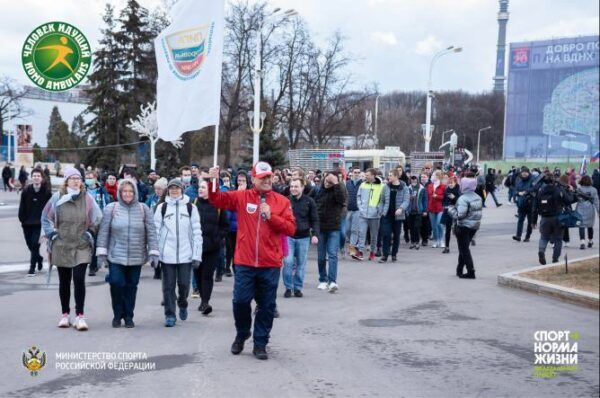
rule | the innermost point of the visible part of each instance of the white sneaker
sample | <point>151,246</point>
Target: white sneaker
<point>333,287</point>
<point>322,286</point>
<point>64,322</point>
<point>80,323</point>
<point>435,245</point>
<point>443,245</point>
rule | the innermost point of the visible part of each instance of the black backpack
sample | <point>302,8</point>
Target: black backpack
<point>547,204</point>
<point>163,209</point>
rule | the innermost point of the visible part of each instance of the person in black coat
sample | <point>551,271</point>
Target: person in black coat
<point>23,176</point>
<point>490,186</point>
<point>6,176</point>
<point>33,199</point>
<point>214,229</point>
<point>451,195</point>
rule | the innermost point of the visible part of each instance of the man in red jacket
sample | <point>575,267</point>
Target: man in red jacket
<point>265,218</point>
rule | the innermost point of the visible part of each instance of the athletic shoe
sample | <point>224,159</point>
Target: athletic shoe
<point>40,265</point>
<point>435,245</point>
<point>298,293</point>
<point>582,245</point>
<point>371,256</point>
<point>394,258</point>
<point>424,243</point>
<point>412,247</point>
<point>183,314</point>
<point>358,255</point>
<point>31,272</point>
<point>526,239</point>
<point>64,322</point>
<point>170,321</point>
<point>378,253</point>
<point>228,272</point>
<point>238,346</point>
<point>195,294</point>
<point>129,323</point>
<point>383,259</point>
<point>116,323</point>
<point>80,323</point>
<point>219,278</point>
<point>288,293</point>
<point>446,250</point>
<point>92,272</point>
<point>442,245</point>
<point>516,238</point>
<point>205,308</point>
<point>467,275</point>
<point>499,204</point>
<point>590,243</point>
<point>417,247</point>
<point>322,286</point>
<point>333,287</point>
<point>260,352</point>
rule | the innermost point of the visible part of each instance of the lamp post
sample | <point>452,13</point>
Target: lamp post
<point>376,113</point>
<point>448,50</point>
<point>444,133</point>
<point>479,139</point>
<point>257,115</point>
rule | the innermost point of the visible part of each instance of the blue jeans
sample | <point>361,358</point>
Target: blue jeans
<point>259,284</point>
<point>328,249</point>
<point>436,226</point>
<point>124,280</point>
<point>299,252</point>
<point>389,228</point>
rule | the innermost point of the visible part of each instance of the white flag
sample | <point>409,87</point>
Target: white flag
<point>189,56</point>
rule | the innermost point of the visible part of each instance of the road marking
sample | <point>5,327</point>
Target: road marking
<point>4,268</point>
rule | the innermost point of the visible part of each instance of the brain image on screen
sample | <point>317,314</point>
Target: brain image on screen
<point>573,110</point>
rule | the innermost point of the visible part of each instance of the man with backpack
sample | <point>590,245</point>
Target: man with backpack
<point>549,202</point>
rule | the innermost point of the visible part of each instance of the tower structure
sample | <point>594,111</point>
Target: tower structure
<point>500,77</point>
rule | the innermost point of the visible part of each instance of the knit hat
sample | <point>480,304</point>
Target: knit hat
<point>71,171</point>
<point>175,182</point>
<point>161,183</point>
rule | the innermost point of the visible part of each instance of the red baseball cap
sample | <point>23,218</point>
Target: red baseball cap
<point>261,170</point>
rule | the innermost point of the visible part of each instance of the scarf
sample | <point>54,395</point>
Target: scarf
<point>112,190</point>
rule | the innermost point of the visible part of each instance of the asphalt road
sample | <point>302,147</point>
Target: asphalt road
<point>409,329</point>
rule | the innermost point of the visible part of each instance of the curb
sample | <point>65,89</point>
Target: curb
<point>573,296</point>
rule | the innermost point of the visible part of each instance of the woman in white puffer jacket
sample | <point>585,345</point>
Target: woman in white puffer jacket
<point>180,244</point>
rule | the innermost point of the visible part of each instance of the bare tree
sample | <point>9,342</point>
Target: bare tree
<point>11,94</point>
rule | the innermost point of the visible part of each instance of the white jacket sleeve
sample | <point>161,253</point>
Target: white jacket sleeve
<point>196,235</point>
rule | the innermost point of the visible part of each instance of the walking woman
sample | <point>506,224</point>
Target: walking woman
<point>435,197</point>
<point>417,207</point>
<point>451,194</point>
<point>467,214</point>
<point>587,206</point>
<point>23,176</point>
<point>33,201</point>
<point>127,237</point>
<point>70,220</point>
<point>214,229</point>
<point>180,245</point>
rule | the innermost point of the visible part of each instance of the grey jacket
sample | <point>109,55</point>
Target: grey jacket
<point>587,208</point>
<point>127,234</point>
<point>402,200</point>
<point>467,211</point>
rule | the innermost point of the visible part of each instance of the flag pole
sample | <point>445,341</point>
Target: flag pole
<point>215,155</point>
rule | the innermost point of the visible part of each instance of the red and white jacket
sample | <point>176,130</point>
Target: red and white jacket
<point>258,241</point>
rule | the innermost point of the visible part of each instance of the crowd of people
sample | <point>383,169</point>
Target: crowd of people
<point>206,223</point>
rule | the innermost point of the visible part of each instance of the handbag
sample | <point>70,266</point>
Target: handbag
<point>569,218</point>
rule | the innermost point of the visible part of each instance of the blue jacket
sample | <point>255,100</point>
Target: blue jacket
<point>101,197</point>
<point>352,188</point>
<point>526,185</point>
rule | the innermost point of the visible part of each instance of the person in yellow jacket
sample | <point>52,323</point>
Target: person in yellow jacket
<point>370,206</point>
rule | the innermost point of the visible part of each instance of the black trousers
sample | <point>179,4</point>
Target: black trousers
<point>32,239</point>
<point>414,225</point>
<point>448,233</point>
<point>425,228</point>
<point>77,275</point>
<point>230,248</point>
<point>590,232</point>
<point>205,274</point>
<point>463,238</point>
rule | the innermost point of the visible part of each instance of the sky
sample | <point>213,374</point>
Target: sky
<point>391,42</point>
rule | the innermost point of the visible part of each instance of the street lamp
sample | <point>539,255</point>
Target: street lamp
<point>444,133</point>
<point>479,139</point>
<point>376,113</point>
<point>448,50</point>
<point>257,116</point>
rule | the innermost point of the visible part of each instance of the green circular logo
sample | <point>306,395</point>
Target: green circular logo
<point>56,56</point>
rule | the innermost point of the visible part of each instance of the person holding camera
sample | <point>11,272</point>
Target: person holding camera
<point>524,192</point>
<point>126,239</point>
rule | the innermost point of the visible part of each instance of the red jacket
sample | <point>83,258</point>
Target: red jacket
<point>434,205</point>
<point>258,242</point>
